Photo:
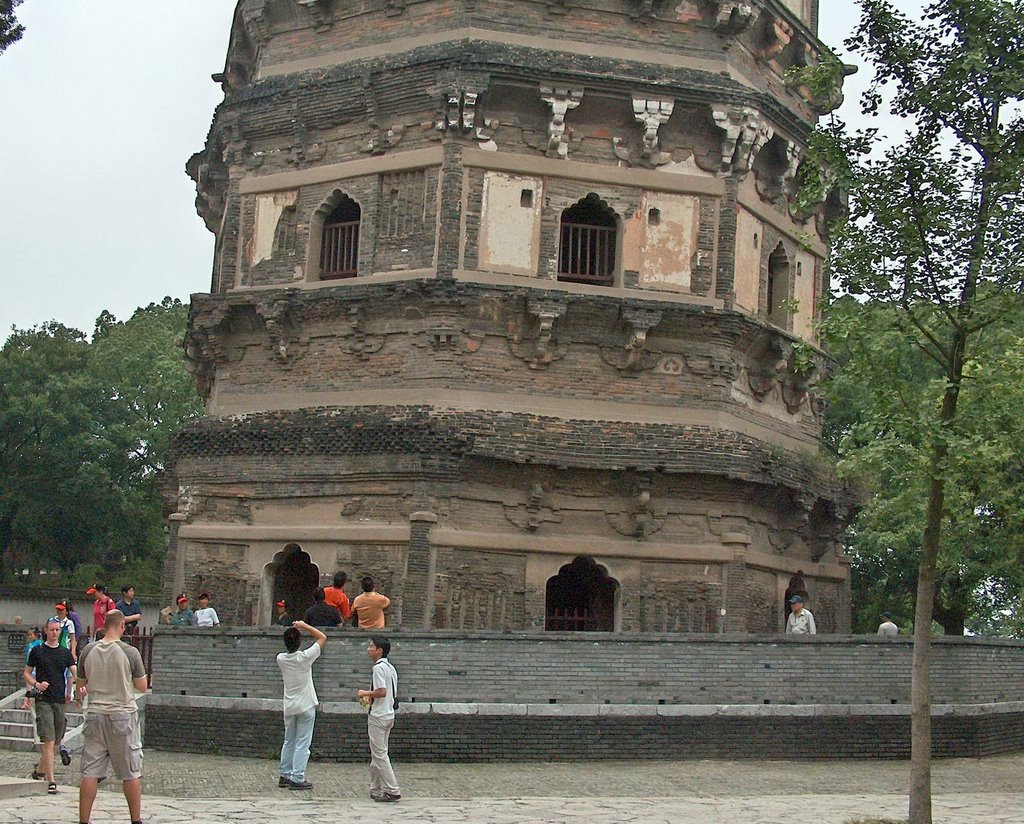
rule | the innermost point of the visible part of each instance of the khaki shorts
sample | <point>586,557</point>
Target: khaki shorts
<point>51,722</point>
<point>112,740</point>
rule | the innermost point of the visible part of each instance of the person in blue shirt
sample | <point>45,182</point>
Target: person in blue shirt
<point>131,609</point>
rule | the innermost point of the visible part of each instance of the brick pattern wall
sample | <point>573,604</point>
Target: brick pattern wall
<point>592,668</point>
<point>459,738</point>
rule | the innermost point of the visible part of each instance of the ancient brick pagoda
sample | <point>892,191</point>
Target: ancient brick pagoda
<point>512,308</point>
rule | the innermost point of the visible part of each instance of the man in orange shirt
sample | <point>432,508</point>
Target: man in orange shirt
<point>336,597</point>
<point>370,606</point>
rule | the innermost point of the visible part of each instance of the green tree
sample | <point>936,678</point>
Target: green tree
<point>84,428</point>
<point>935,233</point>
<point>10,29</point>
<point>881,381</point>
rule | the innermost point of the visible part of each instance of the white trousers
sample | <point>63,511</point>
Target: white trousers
<point>382,776</point>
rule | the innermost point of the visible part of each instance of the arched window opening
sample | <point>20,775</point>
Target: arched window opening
<point>778,287</point>
<point>581,598</point>
<point>586,250</point>
<point>339,244</point>
<point>296,578</point>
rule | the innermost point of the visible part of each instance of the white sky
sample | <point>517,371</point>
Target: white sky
<point>101,104</point>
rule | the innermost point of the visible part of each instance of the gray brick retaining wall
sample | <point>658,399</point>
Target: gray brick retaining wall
<point>601,668</point>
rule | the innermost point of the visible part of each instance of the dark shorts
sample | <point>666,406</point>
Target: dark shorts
<point>51,722</point>
<point>112,741</point>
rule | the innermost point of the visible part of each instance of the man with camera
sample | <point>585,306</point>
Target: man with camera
<point>51,690</point>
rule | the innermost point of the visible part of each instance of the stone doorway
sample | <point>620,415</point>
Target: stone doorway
<point>292,575</point>
<point>581,598</point>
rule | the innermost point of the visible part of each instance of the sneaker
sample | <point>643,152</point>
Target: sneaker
<point>300,785</point>
<point>388,797</point>
<point>65,756</point>
<point>283,782</point>
<point>376,794</point>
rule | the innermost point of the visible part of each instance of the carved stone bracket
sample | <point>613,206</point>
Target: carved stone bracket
<point>541,350</point>
<point>746,133</point>
<point>643,8</point>
<point>734,17</point>
<point>204,348</point>
<point>533,515</point>
<point>459,111</point>
<point>642,521</point>
<point>275,319</point>
<point>558,6</point>
<point>561,100</point>
<point>767,361</point>
<point>319,10</point>
<point>652,114</point>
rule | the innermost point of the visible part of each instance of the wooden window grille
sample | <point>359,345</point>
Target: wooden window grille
<point>339,244</point>
<point>586,249</point>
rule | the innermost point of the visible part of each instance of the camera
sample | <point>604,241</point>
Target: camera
<point>35,692</point>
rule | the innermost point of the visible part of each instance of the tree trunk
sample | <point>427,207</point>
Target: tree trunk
<point>920,692</point>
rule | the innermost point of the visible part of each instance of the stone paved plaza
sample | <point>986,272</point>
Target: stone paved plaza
<point>180,788</point>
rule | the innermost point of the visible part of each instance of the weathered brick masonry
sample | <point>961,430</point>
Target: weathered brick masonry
<point>511,308</point>
<point>492,696</point>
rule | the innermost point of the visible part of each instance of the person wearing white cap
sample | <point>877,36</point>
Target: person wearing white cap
<point>800,621</point>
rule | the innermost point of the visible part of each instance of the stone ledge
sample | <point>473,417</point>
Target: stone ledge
<point>602,710</point>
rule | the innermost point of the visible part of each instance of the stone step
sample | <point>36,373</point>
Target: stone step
<point>25,717</point>
<point>16,744</point>
<point>15,730</point>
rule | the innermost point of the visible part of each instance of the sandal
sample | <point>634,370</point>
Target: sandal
<point>38,776</point>
<point>52,788</point>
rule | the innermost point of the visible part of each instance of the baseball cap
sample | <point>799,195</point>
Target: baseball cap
<point>60,605</point>
<point>204,595</point>
<point>182,599</point>
<point>91,591</point>
<point>278,603</point>
<point>796,599</point>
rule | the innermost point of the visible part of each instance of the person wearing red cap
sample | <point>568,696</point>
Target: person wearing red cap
<point>281,616</point>
<point>101,605</point>
<point>68,637</point>
<point>183,616</point>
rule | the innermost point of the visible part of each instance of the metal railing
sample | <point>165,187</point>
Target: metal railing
<point>339,250</point>
<point>586,253</point>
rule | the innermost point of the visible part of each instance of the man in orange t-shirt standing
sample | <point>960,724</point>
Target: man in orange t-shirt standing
<point>370,606</point>
<point>336,597</point>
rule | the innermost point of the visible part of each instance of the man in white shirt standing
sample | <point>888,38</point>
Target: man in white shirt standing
<point>800,621</point>
<point>300,703</point>
<point>383,702</point>
<point>888,627</point>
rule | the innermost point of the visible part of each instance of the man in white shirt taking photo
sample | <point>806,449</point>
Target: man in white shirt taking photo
<point>300,703</point>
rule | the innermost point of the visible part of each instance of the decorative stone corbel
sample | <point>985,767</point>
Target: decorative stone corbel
<point>459,109</point>
<point>541,350</point>
<point>652,114</point>
<point>633,356</point>
<point>643,8</point>
<point>533,515</point>
<point>746,133</point>
<point>319,10</point>
<point>642,522</point>
<point>256,23</point>
<point>767,361</point>
<point>275,318</point>
<point>558,6</point>
<point>732,17</point>
<point>639,322</point>
<point>561,100</point>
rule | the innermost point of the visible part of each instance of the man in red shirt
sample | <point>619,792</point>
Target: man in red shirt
<point>336,597</point>
<point>101,605</point>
